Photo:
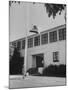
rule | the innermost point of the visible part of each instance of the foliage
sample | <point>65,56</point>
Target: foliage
<point>32,70</point>
<point>53,9</point>
<point>55,70</point>
<point>16,63</point>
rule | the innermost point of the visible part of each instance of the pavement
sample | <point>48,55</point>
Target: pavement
<point>35,81</point>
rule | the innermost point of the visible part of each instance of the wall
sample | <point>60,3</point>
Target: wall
<point>47,50</point>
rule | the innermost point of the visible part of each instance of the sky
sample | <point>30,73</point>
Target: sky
<point>26,14</point>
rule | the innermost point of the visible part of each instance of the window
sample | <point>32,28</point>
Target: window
<point>55,56</point>
<point>23,44</point>
<point>36,40</point>
<point>44,38</point>
<point>14,44</point>
<point>53,36</point>
<point>19,44</point>
<point>62,34</point>
<point>30,42</point>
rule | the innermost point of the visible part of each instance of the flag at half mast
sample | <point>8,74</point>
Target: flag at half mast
<point>34,29</point>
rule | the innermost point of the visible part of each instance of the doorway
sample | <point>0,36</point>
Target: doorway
<point>38,60</point>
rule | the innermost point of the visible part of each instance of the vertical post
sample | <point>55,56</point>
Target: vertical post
<point>65,13</point>
<point>9,18</point>
<point>26,39</point>
<point>25,59</point>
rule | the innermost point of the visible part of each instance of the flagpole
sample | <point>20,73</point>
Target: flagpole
<point>25,59</point>
<point>26,39</point>
<point>34,30</point>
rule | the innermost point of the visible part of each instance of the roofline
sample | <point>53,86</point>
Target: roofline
<point>39,33</point>
<point>42,2</point>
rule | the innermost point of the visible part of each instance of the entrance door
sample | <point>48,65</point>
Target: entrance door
<point>38,60</point>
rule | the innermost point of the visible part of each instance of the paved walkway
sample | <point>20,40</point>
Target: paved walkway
<point>35,81</point>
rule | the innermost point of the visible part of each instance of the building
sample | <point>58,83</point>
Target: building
<point>11,50</point>
<point>44,49</point>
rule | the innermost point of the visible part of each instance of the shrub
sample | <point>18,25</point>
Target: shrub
<point>16,63</point>
<point>32,70</point>
<point>55,70</point>
<point>62,70</point>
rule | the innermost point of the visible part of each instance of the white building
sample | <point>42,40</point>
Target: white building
<point>46,48</point>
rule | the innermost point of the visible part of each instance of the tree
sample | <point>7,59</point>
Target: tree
<point>53,9</point>
<point>16,63</point>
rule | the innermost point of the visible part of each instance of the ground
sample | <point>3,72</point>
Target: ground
<point>35,81</point>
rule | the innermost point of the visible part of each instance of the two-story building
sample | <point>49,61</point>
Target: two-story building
<point>44,49</point>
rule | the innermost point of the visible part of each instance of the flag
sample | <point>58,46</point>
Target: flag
<point>34,29</point>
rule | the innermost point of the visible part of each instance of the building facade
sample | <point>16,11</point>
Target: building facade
<point>44,49</point>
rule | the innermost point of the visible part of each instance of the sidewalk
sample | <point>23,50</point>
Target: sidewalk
<point>15,77</point>
<point>35,81</point>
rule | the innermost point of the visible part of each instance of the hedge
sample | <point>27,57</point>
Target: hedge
<point>55,70</point>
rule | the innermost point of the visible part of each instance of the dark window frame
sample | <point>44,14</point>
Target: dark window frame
<point>14,44</point>
<point>53,36</point>
<point>44,38</point>
<point>30,42</point>
<point>56,56</point>
<point>62,34</point>
<point>37,40</point>
<point>23,44</point>
<point>19,45</point>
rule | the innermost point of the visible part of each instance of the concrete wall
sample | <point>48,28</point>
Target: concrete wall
<point>47,50</point>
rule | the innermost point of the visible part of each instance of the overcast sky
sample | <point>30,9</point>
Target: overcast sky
<point>24,15</point>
